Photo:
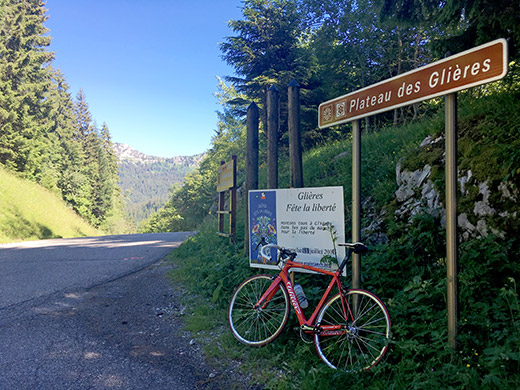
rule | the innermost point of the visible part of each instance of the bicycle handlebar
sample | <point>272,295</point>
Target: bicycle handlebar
<point>266,256</point>
<point>283,252</point>
<point>353,247</point>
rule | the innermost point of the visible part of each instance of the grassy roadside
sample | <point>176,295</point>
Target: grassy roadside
<point>210,268</point>
<point>31,212</point>
<point>414,291</point>
<point>408,272</point>
<point>210,285</point>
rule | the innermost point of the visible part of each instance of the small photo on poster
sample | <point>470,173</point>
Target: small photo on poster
<point>262,223</point>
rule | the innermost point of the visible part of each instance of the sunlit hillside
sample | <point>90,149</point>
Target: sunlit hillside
<point>31,212</point>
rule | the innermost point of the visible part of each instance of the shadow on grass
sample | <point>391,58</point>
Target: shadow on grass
<point>17,227</point>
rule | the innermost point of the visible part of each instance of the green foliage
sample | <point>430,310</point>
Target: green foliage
<point>409,275</point>
<point>408,272</point>
<point>458,24</point>
<point>147,185</point>
<point>266,50</point>
<point>164,220</point>
<point>44,135</point>
<point>23,84</point>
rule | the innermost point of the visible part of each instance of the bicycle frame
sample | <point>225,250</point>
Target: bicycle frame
<point>308,325</point>
<point>350,329</point>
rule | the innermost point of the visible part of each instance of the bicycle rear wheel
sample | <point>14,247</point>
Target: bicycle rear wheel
<point>360,339</point>
<point>261,325</point>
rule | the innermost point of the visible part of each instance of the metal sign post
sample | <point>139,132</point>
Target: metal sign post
<point>451,216</point>
<point>356,200</point>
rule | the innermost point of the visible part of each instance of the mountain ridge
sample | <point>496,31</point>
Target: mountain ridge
<point>146,181</point>
<point>125,152</point>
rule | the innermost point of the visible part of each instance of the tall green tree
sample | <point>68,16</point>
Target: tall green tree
<point>44,134</point>
<point>355,48</point>
<point>99,165</point>
<point>62,121</point>
<point>85,134</point>
<point>267,48</point>
<point>106,187</point>
<point>24,80</point>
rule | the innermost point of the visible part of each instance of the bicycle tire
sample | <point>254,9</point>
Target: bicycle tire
<point>257,326</point>
<point>364,336</point>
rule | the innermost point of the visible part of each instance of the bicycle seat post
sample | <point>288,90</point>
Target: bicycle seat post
<point>345,260</point>
<point>354,247</point>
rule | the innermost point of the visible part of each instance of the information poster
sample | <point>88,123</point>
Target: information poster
<point>309,221</point>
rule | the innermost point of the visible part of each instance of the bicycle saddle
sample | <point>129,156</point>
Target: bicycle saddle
<point>356,247</point>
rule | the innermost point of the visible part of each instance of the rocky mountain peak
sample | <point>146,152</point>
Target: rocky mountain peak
<point>128,154</point>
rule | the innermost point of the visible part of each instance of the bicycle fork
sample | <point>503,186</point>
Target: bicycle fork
<point>267,296</point>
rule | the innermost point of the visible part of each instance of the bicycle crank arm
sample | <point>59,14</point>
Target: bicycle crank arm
<point>307,328</point>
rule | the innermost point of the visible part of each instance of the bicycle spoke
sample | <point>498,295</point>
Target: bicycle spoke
<point>257,325</point>
<point>366,332</point>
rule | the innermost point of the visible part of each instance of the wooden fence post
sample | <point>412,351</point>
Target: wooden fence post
<point>295,149</point>
<point>272,137</point>
<point>252,122</point>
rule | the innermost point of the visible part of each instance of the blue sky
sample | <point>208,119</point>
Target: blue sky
<point>148,68</point>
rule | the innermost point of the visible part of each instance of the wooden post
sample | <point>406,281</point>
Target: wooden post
<point>356,200</point>
<point>272,137</point>
<point>295,149</point>
<point>233,204</point>
<point>451,216</point>
<point>252,123</point>
<point>221,207</point>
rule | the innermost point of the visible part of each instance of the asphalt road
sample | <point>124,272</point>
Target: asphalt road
<point>96,313</point>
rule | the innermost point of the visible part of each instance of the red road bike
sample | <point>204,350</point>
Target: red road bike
<point>351,329</point>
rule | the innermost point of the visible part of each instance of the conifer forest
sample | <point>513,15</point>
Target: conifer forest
<point>47,135</point>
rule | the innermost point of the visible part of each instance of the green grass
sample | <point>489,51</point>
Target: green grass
<point>408,273</point>
<point>31,212</point>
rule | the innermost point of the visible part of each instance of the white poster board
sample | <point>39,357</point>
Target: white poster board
<point>303,220</point>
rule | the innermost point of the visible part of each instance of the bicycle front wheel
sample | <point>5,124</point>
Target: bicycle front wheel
<point>257,326</point>
<point>358,331</point>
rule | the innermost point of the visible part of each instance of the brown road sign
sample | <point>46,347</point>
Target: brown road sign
<point>480,65</point>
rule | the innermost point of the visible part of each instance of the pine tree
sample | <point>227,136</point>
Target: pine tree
<point>85,134</point>
<point>99,164</point>
<point>44,134</point>
<point>24,81</point>
<point>266,49</point>
<point>105,190</point>
<point>69,165</point>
